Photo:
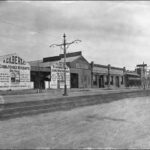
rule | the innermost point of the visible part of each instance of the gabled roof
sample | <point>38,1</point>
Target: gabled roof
<point>49,61</point>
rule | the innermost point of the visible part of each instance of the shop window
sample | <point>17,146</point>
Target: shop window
<point>94,80</point>
<point>112,80</point>
<point>122,80</point>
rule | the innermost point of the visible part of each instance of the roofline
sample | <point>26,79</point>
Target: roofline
<point>106,66</point>
<point>58,57</point>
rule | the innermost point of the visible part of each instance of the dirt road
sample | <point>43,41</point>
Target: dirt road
<point>120,124</point>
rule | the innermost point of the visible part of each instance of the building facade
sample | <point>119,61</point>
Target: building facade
<point>107,76</point>
<point>57,76</point>
<point>132,79</point>
<point>14,73</point>
<point>51,69</point>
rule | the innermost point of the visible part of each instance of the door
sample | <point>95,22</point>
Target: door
<point>74,80</point>
<point>117,81</point>
<point>101,81</point>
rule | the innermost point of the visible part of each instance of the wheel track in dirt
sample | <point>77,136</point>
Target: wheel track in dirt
<point>19,109</point>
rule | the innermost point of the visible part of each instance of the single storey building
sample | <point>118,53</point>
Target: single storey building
<point>104,76</point>
<point>14,73</point>
<point>78,71</point>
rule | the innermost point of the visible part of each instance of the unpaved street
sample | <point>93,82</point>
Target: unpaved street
<point>120,124</point>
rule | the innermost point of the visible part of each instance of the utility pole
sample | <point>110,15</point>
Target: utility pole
<point>65,45</point>
<point>38,90</point>
<point>109,76</point>
<point>65,85</point>
<point>143,78</point>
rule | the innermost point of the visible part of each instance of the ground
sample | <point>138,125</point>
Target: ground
<point>119,124</point>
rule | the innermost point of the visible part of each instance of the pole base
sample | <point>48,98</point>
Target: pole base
<point>65,91</point>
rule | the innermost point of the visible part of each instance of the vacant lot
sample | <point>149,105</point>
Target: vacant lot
<point>120,124</point>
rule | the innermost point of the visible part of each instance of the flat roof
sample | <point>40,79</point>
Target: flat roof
<point>106,66</point>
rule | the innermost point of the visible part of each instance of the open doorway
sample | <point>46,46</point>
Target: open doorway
<point>74,80</point>
<point>101,81</point>
<point>117,81</point>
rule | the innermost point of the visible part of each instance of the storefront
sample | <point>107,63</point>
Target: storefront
<point>14,73</point>
<point>78,72</point>
<point>132,79</point>
<point>47,75</point>
<point>104,76</point>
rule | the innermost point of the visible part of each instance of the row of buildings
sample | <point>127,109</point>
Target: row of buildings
<point>16,73</point>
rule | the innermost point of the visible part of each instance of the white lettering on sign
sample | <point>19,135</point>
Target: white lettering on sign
<point>14,60</point>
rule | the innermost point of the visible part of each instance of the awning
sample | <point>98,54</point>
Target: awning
<point>131,78</point>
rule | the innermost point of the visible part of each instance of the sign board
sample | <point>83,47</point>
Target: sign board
<point>14,73</point>
<point>57,76</point>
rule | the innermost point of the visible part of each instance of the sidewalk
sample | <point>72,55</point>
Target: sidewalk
<point>54,94</point>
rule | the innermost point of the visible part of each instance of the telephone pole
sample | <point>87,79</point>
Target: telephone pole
<point>65,45</point>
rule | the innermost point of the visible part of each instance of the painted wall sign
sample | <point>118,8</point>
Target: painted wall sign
<point>14,60</point>
<point>57,76</point>
<point>14,73</point>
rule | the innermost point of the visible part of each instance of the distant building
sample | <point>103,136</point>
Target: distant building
<point>104,76</point>
<point>132,79</point>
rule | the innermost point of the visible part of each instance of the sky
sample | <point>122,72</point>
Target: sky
<point>112,32</point>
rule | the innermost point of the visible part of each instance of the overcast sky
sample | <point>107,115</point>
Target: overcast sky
<point>112,32</point>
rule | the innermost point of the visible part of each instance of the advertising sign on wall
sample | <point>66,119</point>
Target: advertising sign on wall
<point>57,76</point>
<point>14,73</point>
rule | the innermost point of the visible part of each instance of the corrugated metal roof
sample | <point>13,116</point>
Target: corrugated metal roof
<point>61,56</point>
<point>48,64</point>
<point>70,59</point>
<point>40,63</point>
